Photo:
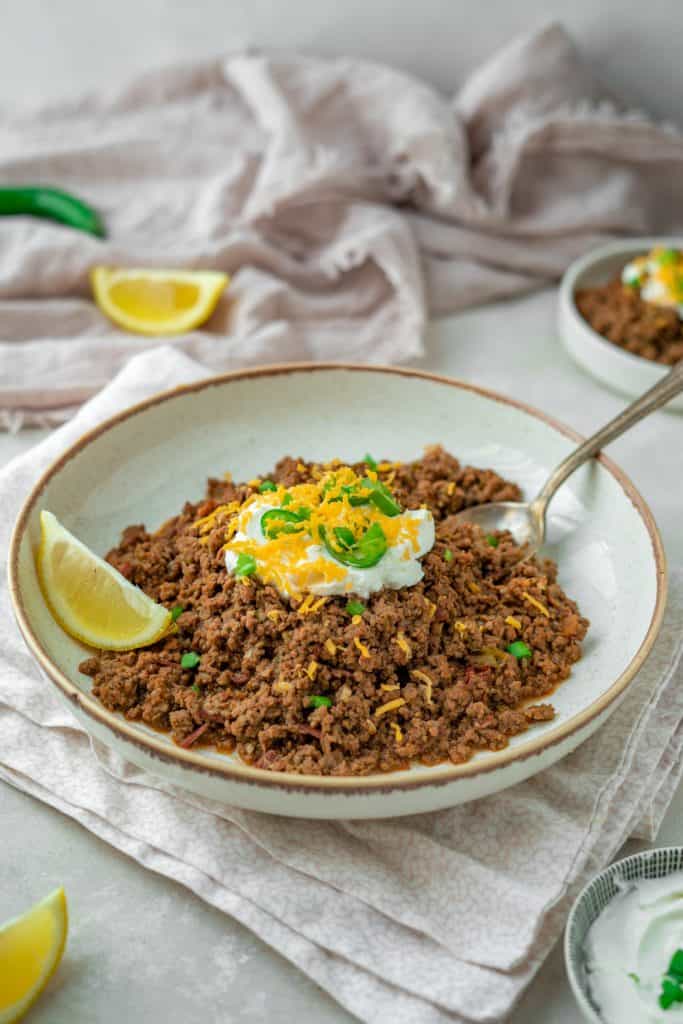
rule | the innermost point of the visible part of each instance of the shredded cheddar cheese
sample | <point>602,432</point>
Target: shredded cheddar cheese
<point>397,731</point>
<point>431,607</point>
<point>273,614</point>
<point>330,646</point>
<point>536,604</point>
<point>512,621</point>
<point>256,482</point>
<point>281,686</point>
<point>300,467</point>
<point>474,587</point>
<point>389,706</point>
<point>460,626</point>
<point>364,652</point>
<point>403,644</point>
<point>312,670</point>
<point>389,686</point>
<point>450,488</point>
<point>356,619</point>
<point>424,678</point>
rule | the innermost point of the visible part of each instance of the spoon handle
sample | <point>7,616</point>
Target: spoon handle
<point>659,395</point>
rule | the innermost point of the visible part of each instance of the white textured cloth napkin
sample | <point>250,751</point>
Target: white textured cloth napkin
<point>347,199</point>
<point>394,918</point>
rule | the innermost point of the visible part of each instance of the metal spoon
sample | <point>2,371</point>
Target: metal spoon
<point>526,520</point>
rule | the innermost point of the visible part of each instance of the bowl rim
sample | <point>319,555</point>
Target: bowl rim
<point>160,749</point>
<point>567,300</point>
<point>578,992</point>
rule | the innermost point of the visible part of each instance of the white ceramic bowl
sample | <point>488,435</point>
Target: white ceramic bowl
<point>621,370</point>
<point>591,902</point>
<point>143,464</point>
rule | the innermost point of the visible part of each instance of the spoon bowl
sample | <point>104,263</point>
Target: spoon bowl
<point>522,519</point>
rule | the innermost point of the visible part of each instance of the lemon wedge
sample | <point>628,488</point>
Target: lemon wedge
<point>90,599</point>
<point>157,301</point>
<point>31,947</point>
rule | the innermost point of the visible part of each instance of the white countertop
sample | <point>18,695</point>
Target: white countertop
<point>205,966</point>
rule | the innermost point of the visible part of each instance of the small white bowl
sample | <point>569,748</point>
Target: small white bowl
<point>591,902</point>
<point>621,370</point>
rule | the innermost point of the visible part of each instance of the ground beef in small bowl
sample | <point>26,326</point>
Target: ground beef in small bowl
<point>621,312</point>
<point>458,663</point>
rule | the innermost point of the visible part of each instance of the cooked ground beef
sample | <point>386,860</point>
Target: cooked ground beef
<point>438,647</point>
<point>621,316</point>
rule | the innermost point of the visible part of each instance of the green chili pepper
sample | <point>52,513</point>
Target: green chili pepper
<point>190,660</point>
<point>519,649</point>
<point>365,553</point>
<point>281,520</point>
<point>345,536</point>
<point>52,203</point>
<point>671,993</point>
<point>267,485</point>
<point>448,555</point>
<point>676,966</point>
<point>319,702</point>
<point>492,541</point>
<point>355,608</point>
<point>377,493</point>
<point>196,689</point>
<point>246,565</point>
<point>176,612</point>
<point>370,462</point>
<point>667,257</point>
<point>287,500</point>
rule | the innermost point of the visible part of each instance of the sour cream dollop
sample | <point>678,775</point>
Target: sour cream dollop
<point>629,949</point>
<point>309,567</point>
<point>658,277</point>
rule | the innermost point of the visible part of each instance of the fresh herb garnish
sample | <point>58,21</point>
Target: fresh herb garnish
<point>319,702</point>
<point>519,649</point>
<point>176,612</point>
<point>676,966</point>
<point>246,565</point>
<point>448,555</point>
<point>267,485</point>
<point>492,541</point>
<point>671,993</point>
<point>355,608</point>
<point>190,660</point>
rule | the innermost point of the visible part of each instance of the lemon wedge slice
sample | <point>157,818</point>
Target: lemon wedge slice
<point>157,301</point>
<point>90,599</point>
<point>31,947</point>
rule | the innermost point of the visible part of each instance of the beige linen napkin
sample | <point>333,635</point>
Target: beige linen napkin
<point>393,918</point>
<point>348,200</point>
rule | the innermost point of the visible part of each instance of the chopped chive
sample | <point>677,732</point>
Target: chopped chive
<point>370,462</point>
<point>448,555</point>
<point>190,660</point>
<point>355,608</point>
<point>667,257</point>
<point>676,966</point>
<point>246,565</point>
<point>519,649</point>
<point>176,612</point>
<point>319,702</point>
<point>287,500</point>
<point>267,485</point>
<point>196,689</point>
<point>492,541</point>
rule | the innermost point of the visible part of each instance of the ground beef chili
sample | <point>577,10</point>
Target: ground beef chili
<point>618,313</point>
<point>437,649</point>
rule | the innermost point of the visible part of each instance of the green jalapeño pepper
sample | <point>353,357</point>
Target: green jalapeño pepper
<point>52,203</point>
<point>281,520</point>
<point>379,494</point>
<point>365,553</point>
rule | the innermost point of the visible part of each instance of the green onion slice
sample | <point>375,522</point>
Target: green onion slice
<point>319,702</point>
<point>355,608</point>
<point>246,565</point>
<point>519,649</point>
